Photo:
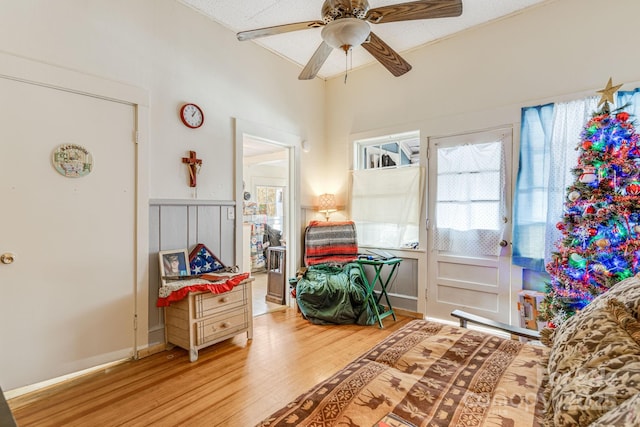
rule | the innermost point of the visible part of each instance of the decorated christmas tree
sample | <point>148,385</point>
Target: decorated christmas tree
<point>600,242</point>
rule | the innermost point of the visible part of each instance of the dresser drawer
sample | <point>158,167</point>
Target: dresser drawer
<point>206,304</point>
<point>220,326</point>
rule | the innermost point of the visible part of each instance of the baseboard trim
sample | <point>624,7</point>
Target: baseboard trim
<point>24,395</point>
<point>408,313</point>
<point>151,350</point>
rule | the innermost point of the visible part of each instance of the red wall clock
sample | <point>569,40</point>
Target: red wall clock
<point>191,116</point>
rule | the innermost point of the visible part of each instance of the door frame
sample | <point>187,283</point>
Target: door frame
<point>32,72</point>
<point>293,143</point>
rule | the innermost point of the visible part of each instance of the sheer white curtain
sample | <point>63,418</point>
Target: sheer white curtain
<point>385,205</point>
<point>568,122</point>
<point>470,203</point>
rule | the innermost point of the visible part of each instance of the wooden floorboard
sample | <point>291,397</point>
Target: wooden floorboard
<point>233,383</point>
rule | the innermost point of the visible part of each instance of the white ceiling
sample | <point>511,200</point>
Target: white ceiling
<point>299,46</point>
<point>259,152</point>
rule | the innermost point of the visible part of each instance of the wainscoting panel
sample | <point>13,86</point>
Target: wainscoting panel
<point>209,230</point>
<point>182,224</point>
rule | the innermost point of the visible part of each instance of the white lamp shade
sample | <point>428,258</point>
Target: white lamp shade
<point>327,203</point>
<point>345,32</point>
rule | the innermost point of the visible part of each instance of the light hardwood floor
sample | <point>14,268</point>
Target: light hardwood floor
<point>234,383</point>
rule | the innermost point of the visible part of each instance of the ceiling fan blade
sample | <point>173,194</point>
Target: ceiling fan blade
<point>278,29</point>
<point>388,57</point>
<point>315,63</point>
<point>425,9</point>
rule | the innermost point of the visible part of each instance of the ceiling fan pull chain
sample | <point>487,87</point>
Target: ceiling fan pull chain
<point>351,61</point>
<point>346,65</point>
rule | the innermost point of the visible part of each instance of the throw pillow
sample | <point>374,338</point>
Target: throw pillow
<point>594,364</point>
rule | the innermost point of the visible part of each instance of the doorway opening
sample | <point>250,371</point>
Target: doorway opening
<point>265,221</point>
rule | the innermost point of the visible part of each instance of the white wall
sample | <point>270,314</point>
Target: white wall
<point>178,56</point>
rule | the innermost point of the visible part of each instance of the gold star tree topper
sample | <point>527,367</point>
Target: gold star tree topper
<point>607,93</point>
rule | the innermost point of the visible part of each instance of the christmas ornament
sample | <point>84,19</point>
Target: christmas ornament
<point>588,175</point>
<point>633,189</point>
<point>622,116</point>
<point>599,268</point>
<point>574,195</point>
<point>576,260</point>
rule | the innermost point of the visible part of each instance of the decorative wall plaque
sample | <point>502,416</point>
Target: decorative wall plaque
<point>73,161</point>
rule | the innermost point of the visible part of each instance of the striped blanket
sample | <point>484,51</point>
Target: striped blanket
<point>330,242</point>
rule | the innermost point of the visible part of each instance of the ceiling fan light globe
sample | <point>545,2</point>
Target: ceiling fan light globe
<point>345,32</point>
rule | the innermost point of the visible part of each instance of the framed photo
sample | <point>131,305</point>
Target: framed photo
<point>173,264</point>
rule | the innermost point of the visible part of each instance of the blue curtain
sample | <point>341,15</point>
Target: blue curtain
<point>530,201</point>
<point>632,101</point>
<point>532,185</point>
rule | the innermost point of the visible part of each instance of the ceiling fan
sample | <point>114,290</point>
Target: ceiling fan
<point>346,24</point>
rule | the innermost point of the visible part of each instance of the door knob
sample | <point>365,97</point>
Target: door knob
<point>7,258</point>
<point>503,243</point>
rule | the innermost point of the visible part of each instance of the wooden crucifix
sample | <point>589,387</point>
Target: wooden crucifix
<point>193,164</point>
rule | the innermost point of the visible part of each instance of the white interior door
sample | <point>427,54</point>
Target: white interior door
<point>68,297</point>
<point>469,218</point>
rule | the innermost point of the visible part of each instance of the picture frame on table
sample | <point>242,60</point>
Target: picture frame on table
<point>174,264</point>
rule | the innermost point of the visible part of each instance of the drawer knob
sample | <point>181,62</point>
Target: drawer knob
<point>225,325</point>
<point>224,299</point>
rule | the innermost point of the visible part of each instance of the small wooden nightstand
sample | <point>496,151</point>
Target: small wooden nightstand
<point>205,318</point>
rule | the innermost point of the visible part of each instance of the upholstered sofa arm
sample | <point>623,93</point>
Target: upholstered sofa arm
<point>514,330</point>
<point>6,417</point>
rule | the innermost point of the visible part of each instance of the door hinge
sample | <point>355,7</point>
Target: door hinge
<point>135,322</point>
<point>136,137</point>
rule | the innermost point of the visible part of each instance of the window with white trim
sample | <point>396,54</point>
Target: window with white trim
<point>386,191</point>
<point>388,151</point>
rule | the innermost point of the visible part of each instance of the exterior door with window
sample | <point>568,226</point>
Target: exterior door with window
<point>469,223</point>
